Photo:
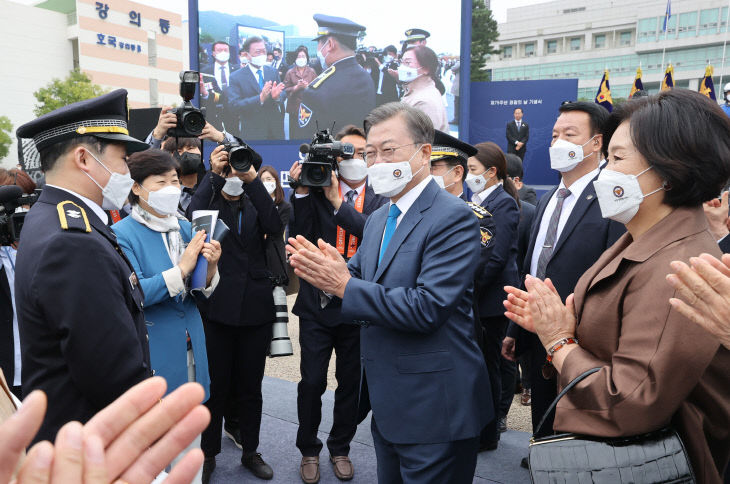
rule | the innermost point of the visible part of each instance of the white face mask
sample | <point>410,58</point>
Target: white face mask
<point>322,57</point>
<point>270,186</point>
<point>476,183</point>
<point>233,186</point>
<point>116,190</point>
<point>259,60</point>
<point>564,155</point>
<point>244,60</point>
<point>165,200</point>
<point>387,59</point>
<point>407,74</point>
<point>223,56</point>
<point>439,179</point>
<point>301,61</point>
<point>354,169</point>
<point>619,194</point>
<point>389,179</point>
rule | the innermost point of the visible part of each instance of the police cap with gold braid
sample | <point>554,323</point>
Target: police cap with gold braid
<point>103,117</point>
<point>415,34</point>
<point>447,148</point>
<point>329,25</point>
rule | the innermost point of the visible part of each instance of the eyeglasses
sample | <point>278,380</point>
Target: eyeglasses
<point>371,155</point>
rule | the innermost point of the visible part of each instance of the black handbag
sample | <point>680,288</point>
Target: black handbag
<point>653,457</point>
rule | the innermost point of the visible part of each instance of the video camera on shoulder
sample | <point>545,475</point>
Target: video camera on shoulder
<point>241,156</point>
<point>14,204</point>
<point>321,159</point>
<point>190,120</point>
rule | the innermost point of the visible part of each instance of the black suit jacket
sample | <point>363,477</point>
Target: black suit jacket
<point>254,120</point>
<point>82,330</point>
<point>513,135</point>
<point>501,269</point>
<point>314,218</point>
<point>215,112</point>
<point>527,216</point>
<point>725,244</point>
<point>527,194</point>
<point>7,343</point>
<point>244,294</point>
<point>388,87</point>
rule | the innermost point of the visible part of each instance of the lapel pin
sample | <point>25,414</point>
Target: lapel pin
<point>589,197</point>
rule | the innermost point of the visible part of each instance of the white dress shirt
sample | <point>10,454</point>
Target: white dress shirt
<point>576,191</point>
<point>479,198</point>
<point>7,254</point>
<point>89,203</point>
<point>217,72</point>
<point>407,200</point>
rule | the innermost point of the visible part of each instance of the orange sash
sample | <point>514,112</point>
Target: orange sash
<point>352,246</point>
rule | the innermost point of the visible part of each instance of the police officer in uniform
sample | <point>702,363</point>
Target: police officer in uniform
<point>448,167</point>
<point>82,329</point>
<point>343,93</point>
<point>413,38</point>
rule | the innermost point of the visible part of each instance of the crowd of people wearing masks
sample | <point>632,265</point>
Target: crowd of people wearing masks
<point>420,266</point>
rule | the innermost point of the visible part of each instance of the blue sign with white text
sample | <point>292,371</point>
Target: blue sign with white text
<point>492,107</point>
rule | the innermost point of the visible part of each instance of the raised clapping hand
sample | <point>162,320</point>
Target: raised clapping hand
<point>132,440</point>
<point>703,290</point>
<point>323,267</point>
<point>540,310</point>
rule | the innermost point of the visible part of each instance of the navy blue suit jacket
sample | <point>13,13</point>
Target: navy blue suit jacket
<point>425,374</point>
<point>584,238</point>
<point>527,216</point>
<point>501,268</point>
<point>725,245</point>
<point>313,219</point>
<point>257,121</point>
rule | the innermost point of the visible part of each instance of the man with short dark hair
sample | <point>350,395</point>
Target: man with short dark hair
<point>255,96</point>
<point>82,330</point>
<point>518,132</point>
<point>410,288</point>
<point>515,171</point>
<point>386,88</point>
<point>215,77</point>
<point>187,153</point>
<point>279,63</point>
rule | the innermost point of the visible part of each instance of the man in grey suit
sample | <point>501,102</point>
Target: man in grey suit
<point>410,288</point>
<point>518,132</point>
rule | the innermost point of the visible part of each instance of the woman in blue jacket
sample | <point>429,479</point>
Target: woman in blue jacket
<point>160,246</point>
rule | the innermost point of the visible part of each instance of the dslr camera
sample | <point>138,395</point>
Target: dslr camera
<point>241,156</point>
<point>12,212</point>
<point>190,120</point>
<point>321,159</point>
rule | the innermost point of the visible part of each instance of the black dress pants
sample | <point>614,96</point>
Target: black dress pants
<point>543,391</point>
<point>241,351</point>
<point>317,341</point>
<point>494,331</point>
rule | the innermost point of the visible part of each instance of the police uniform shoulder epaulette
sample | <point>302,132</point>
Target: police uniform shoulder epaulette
<point>478,210</point>
<point>73,217</point>
<point>322,77</point>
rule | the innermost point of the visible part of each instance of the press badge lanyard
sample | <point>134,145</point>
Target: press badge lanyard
<point>352,246</point>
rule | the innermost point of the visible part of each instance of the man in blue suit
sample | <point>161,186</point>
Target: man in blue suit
<point>255,96</point>
<point>410,288</point>
<point>568,234</point>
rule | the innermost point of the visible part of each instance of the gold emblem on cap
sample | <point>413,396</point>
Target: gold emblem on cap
<point>81,129</point>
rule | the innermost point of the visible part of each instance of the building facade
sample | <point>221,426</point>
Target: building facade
<point>581,38</point>
<point>117,43</point>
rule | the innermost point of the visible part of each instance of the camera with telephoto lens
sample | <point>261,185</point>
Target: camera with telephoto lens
<point>190,120</point>
<point>14,204</point>
<point>241,156</point>
<point>321,159</point>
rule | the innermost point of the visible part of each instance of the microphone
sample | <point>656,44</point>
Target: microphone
<point>304,148</point>
<point>10,192</point>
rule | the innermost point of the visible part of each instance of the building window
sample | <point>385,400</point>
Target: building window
<point>154,94</point>
<point>688,24</point>
<point>575,43</point>
<point>647,29</point>
<point>529,50</point>
<point>599,41</point>
<point>552,46</point>
<point>625,39</point>
<point>507,51</point>
<point>709,21</point>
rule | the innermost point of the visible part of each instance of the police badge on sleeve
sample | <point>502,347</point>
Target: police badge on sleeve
<point>305,115</point>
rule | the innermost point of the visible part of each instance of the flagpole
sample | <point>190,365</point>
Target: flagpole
<point>666,32</point>
<point>724,44</point>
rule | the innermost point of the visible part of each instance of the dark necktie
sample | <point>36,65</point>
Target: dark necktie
<point>551,235</point>
<point>350,197</point>
<point>224,79</point>
<point>519,125</point>
<point>261,79</point>
<point>390,226</point>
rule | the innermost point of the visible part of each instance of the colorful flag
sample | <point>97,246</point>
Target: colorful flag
<point>668,81</point>
<point>707,87</point>
<point>603,96</point>
<point>638,85</point>
<point>667,15</point>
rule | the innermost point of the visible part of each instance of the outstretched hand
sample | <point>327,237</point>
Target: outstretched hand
<point>320,265</point>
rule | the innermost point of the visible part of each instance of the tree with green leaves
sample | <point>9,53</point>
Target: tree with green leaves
<point>58,93</point>
<point>484,34</point>
<point>6,127</point>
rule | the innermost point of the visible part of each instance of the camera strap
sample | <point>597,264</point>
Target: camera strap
<point>352,245</point>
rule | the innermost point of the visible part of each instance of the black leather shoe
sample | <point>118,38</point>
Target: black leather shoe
<point>524,463</point>
<point>502,424</point>
<point>208,466</point>
<point>233,433</point>
<point>489,446</point>
<point>257,466</point>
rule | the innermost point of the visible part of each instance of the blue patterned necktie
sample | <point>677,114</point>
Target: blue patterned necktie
<point>261,79</point>
<point>390,225</point>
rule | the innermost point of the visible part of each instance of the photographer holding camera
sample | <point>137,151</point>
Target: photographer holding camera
<point>187,152</point>
<point>336,214</point>
<point>238,316</point>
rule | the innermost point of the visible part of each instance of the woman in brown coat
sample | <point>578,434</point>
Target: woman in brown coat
<point>667,154</point>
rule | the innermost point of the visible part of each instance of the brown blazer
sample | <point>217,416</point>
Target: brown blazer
<point>657,367</point>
